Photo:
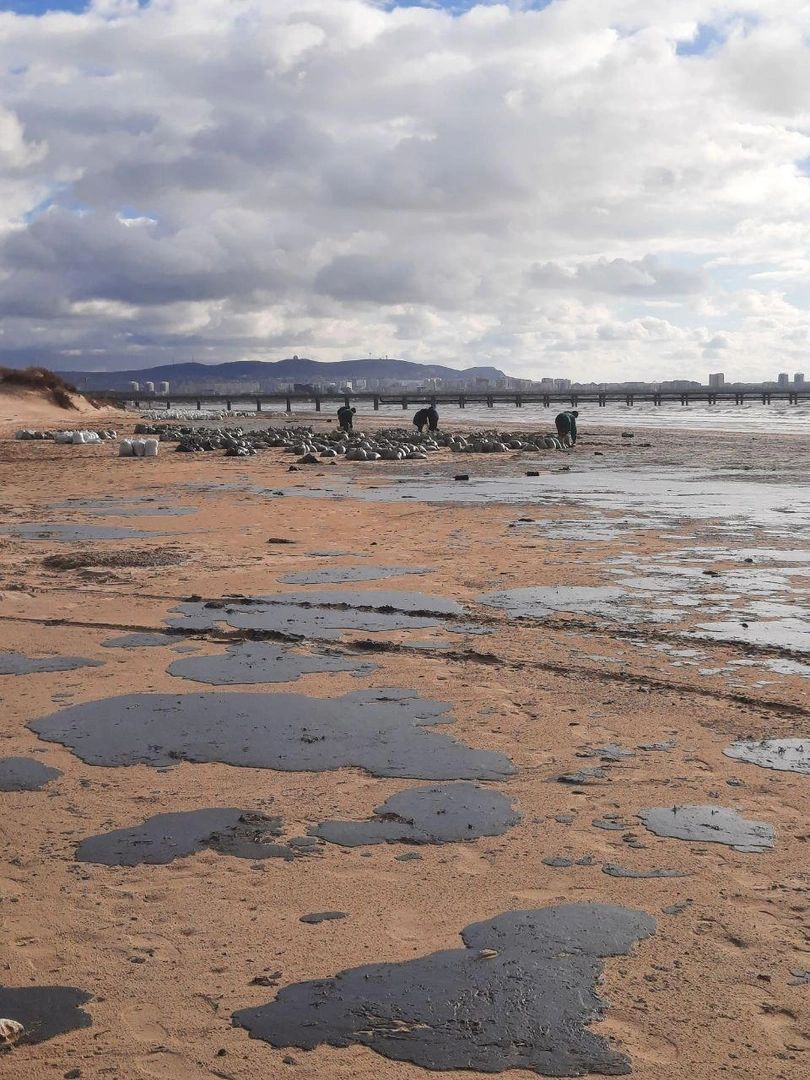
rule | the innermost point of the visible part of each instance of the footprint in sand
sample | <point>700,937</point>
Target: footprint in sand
<point>638,1043</point>
<point>170,1066</point>
<point>143,1023</point>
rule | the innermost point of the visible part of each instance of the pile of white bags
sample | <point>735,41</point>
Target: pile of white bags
<point>138,448</point>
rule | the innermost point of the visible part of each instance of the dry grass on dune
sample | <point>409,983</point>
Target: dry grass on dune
<point>39,378</point>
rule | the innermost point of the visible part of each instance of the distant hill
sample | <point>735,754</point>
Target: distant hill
<point>200,376</point>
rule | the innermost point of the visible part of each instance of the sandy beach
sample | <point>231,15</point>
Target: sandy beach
<point>619,620</point>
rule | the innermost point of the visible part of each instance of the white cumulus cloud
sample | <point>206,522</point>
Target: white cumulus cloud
<point>595,190</point>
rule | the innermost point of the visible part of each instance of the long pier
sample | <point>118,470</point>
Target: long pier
<point>517,398</point>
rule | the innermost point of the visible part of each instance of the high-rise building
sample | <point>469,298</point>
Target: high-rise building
<point>164,388</point>
<point>717,379</point>
<point>798,378</point>
<point>134,387</point>
<point>149,387</point>
<point>783,379</point>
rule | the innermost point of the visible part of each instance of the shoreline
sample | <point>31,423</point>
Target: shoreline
<point>606,651</point>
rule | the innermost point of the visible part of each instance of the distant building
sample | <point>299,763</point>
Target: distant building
<point>783,379</point>
<point>135,387</point>
<point>164,389</point>
<point>717,379</point>
<point>149,387</point>
<point>562,384</point>
<point>798,378</point>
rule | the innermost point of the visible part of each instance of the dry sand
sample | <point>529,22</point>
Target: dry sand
<point>169,951</point>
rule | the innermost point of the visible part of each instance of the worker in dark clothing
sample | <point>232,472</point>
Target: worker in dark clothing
<point>566,424</point>
<point>426,418</point>
<point>345,417</point>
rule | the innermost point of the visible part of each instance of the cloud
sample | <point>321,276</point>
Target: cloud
<point>526,184</point>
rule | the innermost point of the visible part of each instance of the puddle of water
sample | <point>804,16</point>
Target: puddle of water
<point>653,497</point>
<point>14,663</point>
<point>709,825</point>
<point>68,533</point>
<point>44,1011</point>
<point>536,601</point>
<point>25,774</point>
<point>256,662</point>
<point>166,837</point>
<point>382,731</point>
<point>335,575</point>
<point>123,508</point>
<point>784,755</point>
<point>429,815</point>
<point>319,614</point>
<point>518,996</point>
<point>791,634</point>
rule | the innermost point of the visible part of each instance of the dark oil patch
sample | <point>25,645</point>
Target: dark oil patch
<point>381,730</point>
<point>318,614</point>
<point>784,755</point>
<point>316,917</point>
<point>14,663</point>
<point>519,996</point>
<point>44,1011</point>
<point>439,814</point>
<point>25,774</point>
<point>166,837</point>
<point>709,825</point>
<point>139,641</point>
<point>259,662</point>
<point>614,870</point>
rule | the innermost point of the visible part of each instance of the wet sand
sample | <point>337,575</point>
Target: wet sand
<point>560,688</point>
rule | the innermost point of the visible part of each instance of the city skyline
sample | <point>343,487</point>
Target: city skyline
<point>453,182</point>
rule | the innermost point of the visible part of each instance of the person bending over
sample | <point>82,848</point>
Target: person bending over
<point>426,418</point>
<point>566,424</point>
<point>346,417</point>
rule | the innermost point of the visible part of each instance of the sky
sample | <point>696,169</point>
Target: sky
<point>603,191</point>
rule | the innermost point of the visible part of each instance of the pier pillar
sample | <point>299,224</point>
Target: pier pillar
<point>766,398</point>
<point>347,401</point>
<point>289,406</point>
<point>404,403</point>
<point>228,405</point>
<point>376,402</point>
<point>518,401</point>
<point>602,401</point>
<point>462,401</point>
<point>630,400</point>
<point>258,404</point>
<point>168,404</point>
<point>317,403</point>
<point>199,406</point>
<point>656,399</point>
<point>684,399</point>
<point>793,399</point>
<point>546,400</point>
<point>490,402</point>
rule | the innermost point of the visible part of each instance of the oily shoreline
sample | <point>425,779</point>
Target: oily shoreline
<point>170,951</point>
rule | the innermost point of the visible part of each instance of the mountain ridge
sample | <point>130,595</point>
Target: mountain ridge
<point>291,369</point>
